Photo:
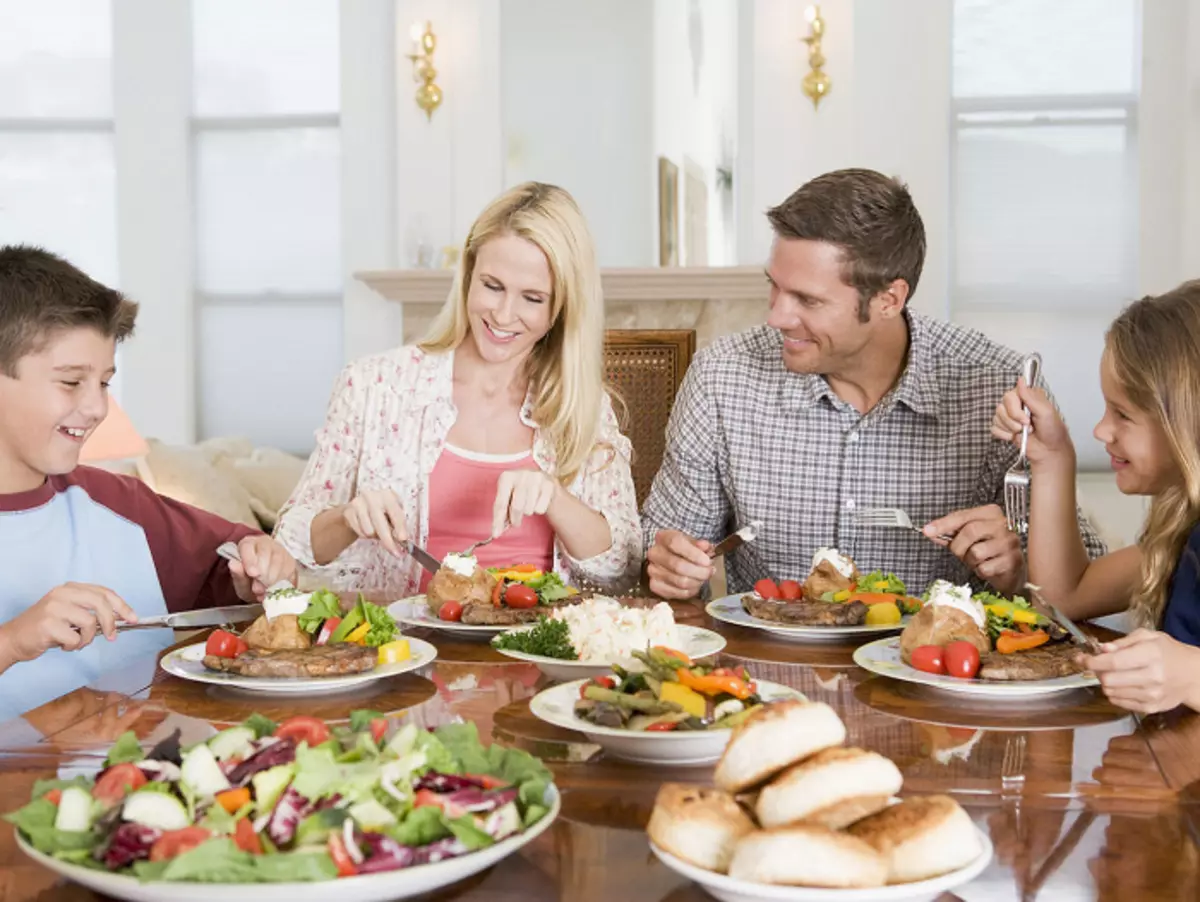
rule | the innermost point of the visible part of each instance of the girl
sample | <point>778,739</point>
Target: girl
<point>497,424</point>
<point>1150,377</point>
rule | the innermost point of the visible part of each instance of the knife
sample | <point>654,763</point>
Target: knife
<point>188,620</point>
<point>747,533</point>
<point>424,558</point>
<point>1080,637</point>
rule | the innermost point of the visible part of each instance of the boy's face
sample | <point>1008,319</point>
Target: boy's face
<point>58,398</point>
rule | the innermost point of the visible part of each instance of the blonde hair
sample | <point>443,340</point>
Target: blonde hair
<point>566,368</point>
<point>1154,349</point>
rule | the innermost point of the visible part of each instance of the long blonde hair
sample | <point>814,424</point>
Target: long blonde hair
<point>566,368</point>
<point>1154,349</point>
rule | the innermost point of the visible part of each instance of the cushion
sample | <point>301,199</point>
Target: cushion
<point>188,475</point>
<point>269,476</point>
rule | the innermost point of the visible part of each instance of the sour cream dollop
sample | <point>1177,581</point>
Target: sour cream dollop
<point>840,562</point>
<point>461,564</point>
<point>946,594</point>
<point>280,603</point>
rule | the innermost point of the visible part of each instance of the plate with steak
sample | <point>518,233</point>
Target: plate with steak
<point>800,619</point>
<point>310,671</point>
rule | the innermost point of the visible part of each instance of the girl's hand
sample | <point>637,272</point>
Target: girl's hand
<point>520,494</point>
<point>1048,439</point>
<point>1147,671</point>
<point>377,514</point>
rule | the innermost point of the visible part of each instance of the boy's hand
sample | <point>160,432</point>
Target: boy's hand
<point>66,617</point>
<point>264,563</point>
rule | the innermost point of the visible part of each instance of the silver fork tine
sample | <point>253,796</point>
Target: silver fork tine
<point>1016,480</point>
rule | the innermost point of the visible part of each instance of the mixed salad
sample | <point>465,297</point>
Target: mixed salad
<point>885,595</point>
<point>670,694</point>
<point>296,801</point>
<point>365,623</point>
<point>525,586</point>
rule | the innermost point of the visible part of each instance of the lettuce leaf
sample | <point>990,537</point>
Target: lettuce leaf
<point>302,866</point>
<point>262,726</point>
<point>466,831</point>
<point>321,606</point>
<point>878,581</point>
<point>360,720</point>
<point>383,626</point>
<point>549,587</point>
<point>421,826</point>
<point>36,823</point>
<point>126,748</point>
<point>215,861</point>
<point>437,756</point>
<point>513,766</point>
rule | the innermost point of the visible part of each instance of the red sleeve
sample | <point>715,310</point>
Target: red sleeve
<point>183,539</point>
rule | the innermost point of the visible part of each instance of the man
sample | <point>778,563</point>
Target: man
<point>844,400</point>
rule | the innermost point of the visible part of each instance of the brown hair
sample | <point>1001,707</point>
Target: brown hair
<point>871,218</point>
<point>41,293</point>
<point>1154,349</point>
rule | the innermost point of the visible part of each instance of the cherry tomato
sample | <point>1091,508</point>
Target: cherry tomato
<point>424,797</point>
<point>378,729</point>
<point>605,682</point>
<point>519,595</point>
<point>241,647</point>
<point>488,781</point>
<point>450,610</point>
<point>175,842</point>
<point>790,590</point>
<point>341,858</point>
<point>766,588</point>
<point>661,727</point>
<point>245,838</point>
<point>54,796</point>
<point>303,728</point>
<point>222,644</point>
<point>962,659</point>
<point>117,781</point>
<point>929,658</point>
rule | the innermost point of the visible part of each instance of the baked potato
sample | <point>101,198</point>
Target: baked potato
<point>447,585</point>
<point>939,624</point>
<point>826,578</point>
<point>282,632</point>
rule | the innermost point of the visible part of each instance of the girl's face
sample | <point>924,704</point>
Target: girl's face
<point>1136,444</point>
<point>508,301</point>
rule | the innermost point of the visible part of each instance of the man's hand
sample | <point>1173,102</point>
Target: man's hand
<point>264,563</point>
<point>66,617</point>
<point>981,539</point>
<point>1148,671</point>
<point>679,565</point>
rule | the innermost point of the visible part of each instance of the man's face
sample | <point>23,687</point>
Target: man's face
<point>816,312</point>
<point>56,401</point>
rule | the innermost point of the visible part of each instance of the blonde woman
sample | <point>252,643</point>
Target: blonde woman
<point>497,424</point>
<point>1150,376</point>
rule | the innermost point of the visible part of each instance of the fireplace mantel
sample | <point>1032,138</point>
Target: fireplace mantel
<point>711,300</point>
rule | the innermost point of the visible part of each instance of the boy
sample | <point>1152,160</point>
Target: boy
<point>93,546</point>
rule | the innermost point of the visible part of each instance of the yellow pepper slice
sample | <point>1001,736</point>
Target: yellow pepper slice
<point>1022,616</point>
<point>394,652</point>
<point>841,595</point>
<point>359,633</point>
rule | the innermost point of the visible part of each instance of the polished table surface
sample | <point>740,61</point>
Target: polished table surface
<point>1103,806</point>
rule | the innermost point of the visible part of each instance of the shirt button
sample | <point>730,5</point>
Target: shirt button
<point>853,438</point>
<point>849,504</point>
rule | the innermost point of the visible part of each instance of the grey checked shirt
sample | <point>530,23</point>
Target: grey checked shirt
<point>749,440</point>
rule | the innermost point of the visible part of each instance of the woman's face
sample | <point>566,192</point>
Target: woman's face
<point>508,301</point>
<point>1136,444</point>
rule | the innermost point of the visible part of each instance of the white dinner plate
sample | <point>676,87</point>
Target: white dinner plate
<point>727,889</point>
<point>188,663</point>
<point>415,612</point>
<point>729,610</point>
<point>556,706</point>
<point>401,884</point>
<point>883,657</point>
<point>697,643</point>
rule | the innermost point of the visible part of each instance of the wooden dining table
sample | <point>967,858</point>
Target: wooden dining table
<point>1081,800</point>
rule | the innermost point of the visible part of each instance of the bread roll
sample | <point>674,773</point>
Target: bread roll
<point>782,733</point>
<point>834,788</point>
<point>922,837</point>
<point>804,855</point>
<point>698,824</point>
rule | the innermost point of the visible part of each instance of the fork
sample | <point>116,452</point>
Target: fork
<point>471,548</point>
<point>889,518</point>
<point>1016,480</point>
<point>1012,777</point>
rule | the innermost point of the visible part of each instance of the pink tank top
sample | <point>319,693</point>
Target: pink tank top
<point>462,490</point>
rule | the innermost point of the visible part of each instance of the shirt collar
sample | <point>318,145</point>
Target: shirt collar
<point>917,388</point>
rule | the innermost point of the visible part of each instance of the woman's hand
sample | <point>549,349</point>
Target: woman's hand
<point>1049,439</point>
<point>1148,671</point>
<point>377,514</point>
<point>264,562</point>
<point>520,494</point>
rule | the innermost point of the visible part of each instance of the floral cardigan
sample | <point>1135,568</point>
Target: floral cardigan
<point>386,427</point>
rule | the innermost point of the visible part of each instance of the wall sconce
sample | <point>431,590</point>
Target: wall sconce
<point>429,95</point>
<point>816,82</point>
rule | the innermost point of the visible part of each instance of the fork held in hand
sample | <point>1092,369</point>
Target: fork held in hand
<point>1016,480</point>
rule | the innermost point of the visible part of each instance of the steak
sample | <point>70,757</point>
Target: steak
<point>320,661</point>
<point>1042,663</point>
<point>489,615</point>
<point>806,613</point>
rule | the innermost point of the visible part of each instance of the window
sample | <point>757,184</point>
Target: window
<point>267,168</point>
<point>1045,152</point>
<point>57,169</point>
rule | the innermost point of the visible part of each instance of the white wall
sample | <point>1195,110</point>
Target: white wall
<point>575,91</point>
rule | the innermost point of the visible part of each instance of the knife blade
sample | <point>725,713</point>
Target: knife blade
<point>424,558</point>
<point>1080,637</point>
<point>195,619</point>
<point>747,533</point>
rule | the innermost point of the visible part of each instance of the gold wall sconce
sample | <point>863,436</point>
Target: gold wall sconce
<point>816,83</point>
<point>429,95</point>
